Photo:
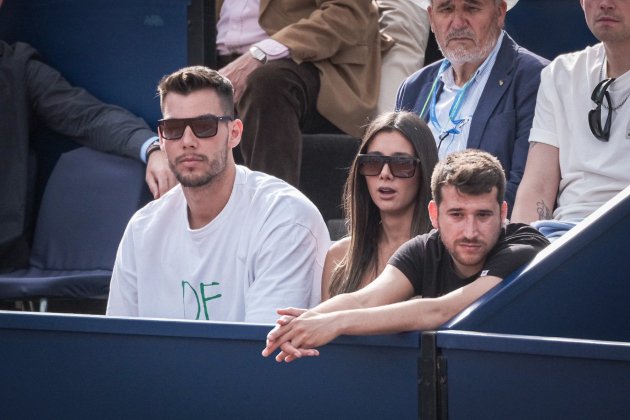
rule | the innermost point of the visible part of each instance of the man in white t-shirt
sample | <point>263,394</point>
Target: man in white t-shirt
<point>227,244</point>
<point>580,138</point>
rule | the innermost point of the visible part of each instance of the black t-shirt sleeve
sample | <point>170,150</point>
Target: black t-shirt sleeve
<point>408,259</point>
<point>417,260</point>
<point>516,247</point>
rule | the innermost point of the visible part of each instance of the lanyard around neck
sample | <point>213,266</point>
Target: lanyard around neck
<point>455,107</point>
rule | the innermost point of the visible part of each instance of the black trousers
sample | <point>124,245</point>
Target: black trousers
<point>279,103</point>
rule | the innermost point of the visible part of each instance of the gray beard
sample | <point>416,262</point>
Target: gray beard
<point>458,56</point>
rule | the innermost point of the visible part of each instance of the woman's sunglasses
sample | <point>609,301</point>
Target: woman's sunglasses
<point>400,166</point>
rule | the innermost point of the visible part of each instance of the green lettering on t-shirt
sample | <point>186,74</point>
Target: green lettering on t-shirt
<point>184,283</point>
<point>204,298</point>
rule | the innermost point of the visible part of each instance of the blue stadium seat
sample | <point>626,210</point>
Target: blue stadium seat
<point>88,201</point>
<point>116,50</point>
<point>549,27</point>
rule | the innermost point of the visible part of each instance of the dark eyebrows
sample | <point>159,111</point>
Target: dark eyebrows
<point>477,212</point>
<point>485,212</point>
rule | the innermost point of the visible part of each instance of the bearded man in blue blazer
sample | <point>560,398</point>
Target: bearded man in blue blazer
<point>483,94</point>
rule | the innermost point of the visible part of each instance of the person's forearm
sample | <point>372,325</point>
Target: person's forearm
<point>412,315</point>
<point>316,328</point>
<point>536,195</point>
<point>340,302</point>
<point>533,202</point>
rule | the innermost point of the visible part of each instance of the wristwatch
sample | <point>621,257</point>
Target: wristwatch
<point>258,54</point>
<point>152,148</point>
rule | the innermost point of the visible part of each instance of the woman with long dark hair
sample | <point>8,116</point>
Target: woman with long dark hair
<point>385,200</point>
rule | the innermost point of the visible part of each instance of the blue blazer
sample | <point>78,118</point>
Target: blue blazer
<point>504,115</point>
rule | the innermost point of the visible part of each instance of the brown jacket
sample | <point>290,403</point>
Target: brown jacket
<point>341,38</point>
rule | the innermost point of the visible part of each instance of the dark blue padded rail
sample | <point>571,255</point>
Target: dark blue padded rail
<point>117,50</point>
<point>517,377</point>
<point>578,287</point>
<point>66,366</point>
<point>549,27</point>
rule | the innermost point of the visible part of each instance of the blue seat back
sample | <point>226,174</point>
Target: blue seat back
<point>549,27</point>
<point>89,198</point>
<point>116,50</point>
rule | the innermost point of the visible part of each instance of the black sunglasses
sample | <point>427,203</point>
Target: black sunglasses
<point>595,115</point>
<point>203,127</point>
<point>400,166</point>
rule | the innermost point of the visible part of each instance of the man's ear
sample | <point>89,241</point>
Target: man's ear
<point>502,12</point>
<point>504,210</point>
<point>236,131</point>
<point>433,214</point>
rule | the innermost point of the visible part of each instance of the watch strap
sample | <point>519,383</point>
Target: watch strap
<point>152,148</point>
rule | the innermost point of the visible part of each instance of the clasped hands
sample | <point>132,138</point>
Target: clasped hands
<point>297,334</point>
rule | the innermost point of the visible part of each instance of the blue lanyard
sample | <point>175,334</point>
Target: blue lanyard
<point>455,108</point>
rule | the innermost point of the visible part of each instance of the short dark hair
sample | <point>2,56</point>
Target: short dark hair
<point>472,172</point>
<point>194,78</point>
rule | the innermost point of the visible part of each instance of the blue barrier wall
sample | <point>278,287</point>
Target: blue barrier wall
<point>512,377</point>
<point>64,366</point>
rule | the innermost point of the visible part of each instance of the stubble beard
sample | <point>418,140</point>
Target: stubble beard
<point>216,168</point>
<point>468,260</point>
<point>612,37</point>
<point>604,33</point>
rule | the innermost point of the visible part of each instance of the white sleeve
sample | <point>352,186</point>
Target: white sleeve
<point>123,289</point>
<point>544,127</point>
<point>288,271</point>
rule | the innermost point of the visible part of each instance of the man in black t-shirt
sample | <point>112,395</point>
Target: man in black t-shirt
<point>433,272</point>
<point>470,251</point>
